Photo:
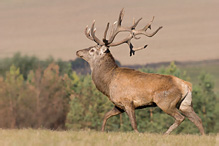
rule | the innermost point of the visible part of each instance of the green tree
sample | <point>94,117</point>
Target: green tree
<point>88,107</point>
<point>205,101</point>
<point>24,63</point>
<point>10,91</point>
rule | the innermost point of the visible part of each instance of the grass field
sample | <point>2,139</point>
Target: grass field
<point>30,137</point>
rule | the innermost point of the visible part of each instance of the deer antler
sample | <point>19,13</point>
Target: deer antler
<point>90,33</point>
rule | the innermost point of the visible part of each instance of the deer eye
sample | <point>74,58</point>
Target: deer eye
<point>92,50</point>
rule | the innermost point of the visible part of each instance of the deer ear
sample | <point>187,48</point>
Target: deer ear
<point>103,50</point>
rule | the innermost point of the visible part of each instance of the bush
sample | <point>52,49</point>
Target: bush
<point>40,101</point>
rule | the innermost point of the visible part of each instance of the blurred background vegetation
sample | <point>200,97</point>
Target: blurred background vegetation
<point>58,94</point>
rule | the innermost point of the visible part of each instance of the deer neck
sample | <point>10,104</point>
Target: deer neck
<point>102,73</point>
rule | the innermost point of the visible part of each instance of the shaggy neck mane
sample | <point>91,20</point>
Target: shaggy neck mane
<point>102,73</point>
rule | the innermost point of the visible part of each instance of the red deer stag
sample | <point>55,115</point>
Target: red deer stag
<point>129,89</point>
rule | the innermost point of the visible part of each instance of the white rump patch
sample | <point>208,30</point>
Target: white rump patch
<point>187,102</point>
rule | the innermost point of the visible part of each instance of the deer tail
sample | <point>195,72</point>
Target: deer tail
<point>189,85</point>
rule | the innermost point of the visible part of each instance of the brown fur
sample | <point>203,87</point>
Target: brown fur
<point>129,89</point>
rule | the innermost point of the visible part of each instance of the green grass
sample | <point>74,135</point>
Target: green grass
<point>30,137</point>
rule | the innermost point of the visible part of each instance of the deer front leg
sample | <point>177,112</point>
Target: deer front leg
<point>113,112</point>
<point>130,110</point>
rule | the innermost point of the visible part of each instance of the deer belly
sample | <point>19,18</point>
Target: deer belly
<point>121,102</point>
<point>141,102</point>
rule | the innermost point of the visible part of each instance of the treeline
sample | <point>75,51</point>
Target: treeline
<point>59,95</point>
<point>27,63</point>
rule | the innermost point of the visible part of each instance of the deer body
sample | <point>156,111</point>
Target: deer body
<point>127,85</point>
<point>129,89</point>
<point>143,89</point>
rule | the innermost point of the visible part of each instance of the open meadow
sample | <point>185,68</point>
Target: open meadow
<point>30,137</point>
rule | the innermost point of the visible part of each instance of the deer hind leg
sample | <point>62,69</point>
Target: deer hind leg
<point>113,112</point>
<point>172,111</point>
<point>187,110</point>
<point>178,120</point>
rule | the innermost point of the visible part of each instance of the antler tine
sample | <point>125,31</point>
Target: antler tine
<point>93,35</point>
<point>87,33</point>
<point>132,49</point>
<point>121,15</point>
<point>152,34</point>
<point>139,48</point>
<point>105,34</point>
<point>113,28</point>
<point>135,23</point>
<point>149,24</point>
<point>119,28</point>
<point>138,32</point>
<point>134,26</point>
<point>143,30</point>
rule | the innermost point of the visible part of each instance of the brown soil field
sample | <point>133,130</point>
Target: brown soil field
<point>56,27</point>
